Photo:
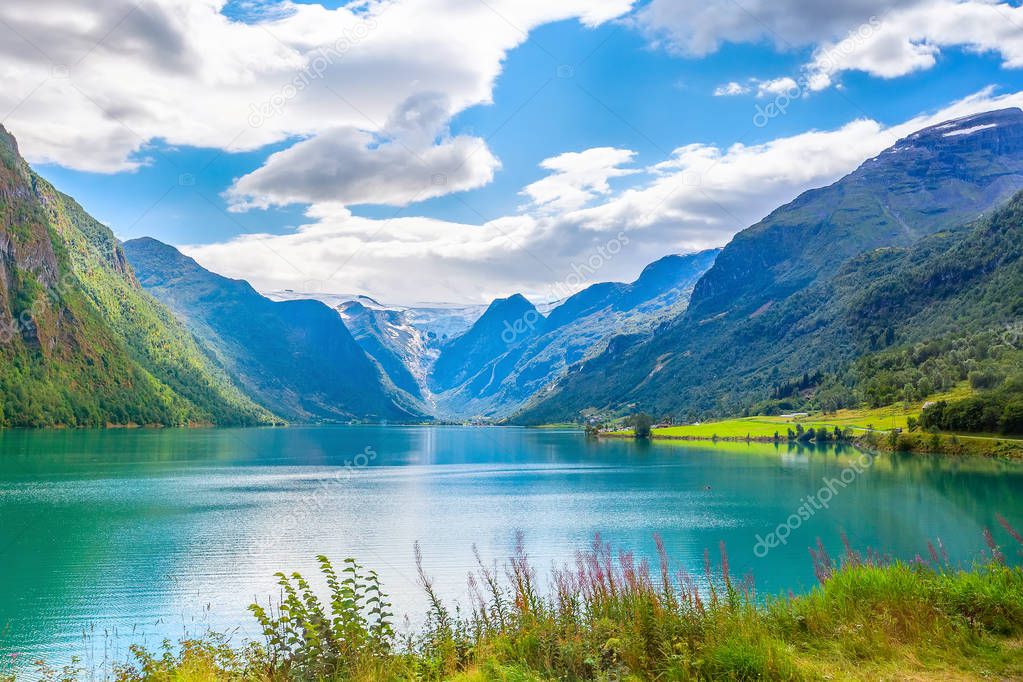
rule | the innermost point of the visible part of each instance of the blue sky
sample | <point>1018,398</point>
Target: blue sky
<point>619,93</point>
<point>641,81</point>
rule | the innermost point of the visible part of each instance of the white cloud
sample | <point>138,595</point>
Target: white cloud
<point>764,88</point>
<point>91,85</point>
<point>698,29</point>
<point>777,86</point>
<point>730,89</point>
<point>696,199</point>
<point>883,38</point>
<point>911,39</point>
<point>412,159</point>
<point>578,177</point>
<point>369,89</point>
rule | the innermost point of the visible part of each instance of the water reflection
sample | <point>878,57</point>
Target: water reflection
<point>152,532</point>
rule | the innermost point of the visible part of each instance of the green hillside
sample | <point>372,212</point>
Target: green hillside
<point>839,284</point>
<point>81,344</point>
<point>296,358</point>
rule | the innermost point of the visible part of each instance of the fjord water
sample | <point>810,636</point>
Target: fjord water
<point>114,537</point>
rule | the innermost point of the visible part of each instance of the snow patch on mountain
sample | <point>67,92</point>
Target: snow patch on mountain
<point>970,130</point>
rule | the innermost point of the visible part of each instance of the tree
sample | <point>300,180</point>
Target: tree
<point>1012,417</point>
<point>641,425</point>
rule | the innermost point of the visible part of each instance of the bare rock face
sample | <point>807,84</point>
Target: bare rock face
<point>28,264</point>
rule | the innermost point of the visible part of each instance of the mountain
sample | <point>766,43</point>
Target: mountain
<point>660,289</point>
<point>389,337</point>
<point>897,324</point>
<point>81,344</point>
<point>505,325</point>
<point>437,321</point>
<point>525,351</point>
<point>934,179</point>
<point>295,357</point>
<point>758,317</point>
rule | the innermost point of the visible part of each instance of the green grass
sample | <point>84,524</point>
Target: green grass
<point>883,418</point>
<point>754,427</point>
<point>609,617</point>
<point>859,420</point>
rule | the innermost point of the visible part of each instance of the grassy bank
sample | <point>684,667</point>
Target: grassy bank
<point>957,445</point>
<point>740,430</point>
<point>866,427</point>
<point>610,617</point>
<point>857,420</point>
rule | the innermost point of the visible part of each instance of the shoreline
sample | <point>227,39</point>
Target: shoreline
<point>950,445</point>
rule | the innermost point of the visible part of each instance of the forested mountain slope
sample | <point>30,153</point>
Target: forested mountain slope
<point>80,343</point>
<point>296,358</point>
<point>800,290</point>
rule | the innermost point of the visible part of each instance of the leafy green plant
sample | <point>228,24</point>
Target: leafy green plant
<point>313,639</point>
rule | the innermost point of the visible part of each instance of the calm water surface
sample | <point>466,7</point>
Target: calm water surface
<point>114,537</point>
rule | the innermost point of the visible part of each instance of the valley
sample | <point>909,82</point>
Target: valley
<point>890,286</point>
<point>511,341</point>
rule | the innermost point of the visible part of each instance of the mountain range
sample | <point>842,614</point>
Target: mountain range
<point>512,350</point>
<point>816,302</point>
<point>804,290</point>
<point>296,358</point>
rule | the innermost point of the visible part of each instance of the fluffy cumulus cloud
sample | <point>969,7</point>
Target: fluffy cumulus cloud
<point>695,199</point>
<point>910,39</point>
<point>411,159</point>
<point>578,177</point>
<point>883,38</point>
<point>92,85</point>
<point>776,86</point>
<point>697,29</point>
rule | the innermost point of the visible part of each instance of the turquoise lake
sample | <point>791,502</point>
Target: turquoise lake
<point>116,537</point>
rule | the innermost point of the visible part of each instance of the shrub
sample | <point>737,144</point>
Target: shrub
<point>985,378</point>
<point>1011,421</point>
<point>311,640</point>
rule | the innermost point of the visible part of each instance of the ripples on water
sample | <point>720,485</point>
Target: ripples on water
<point>114,537</point>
